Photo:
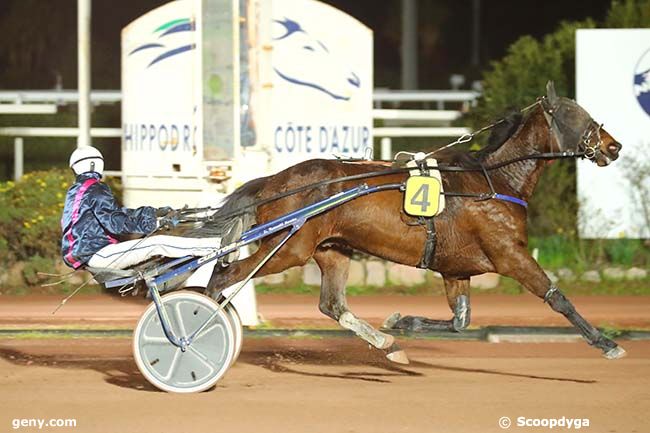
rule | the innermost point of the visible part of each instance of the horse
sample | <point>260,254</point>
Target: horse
<point>473,236</point>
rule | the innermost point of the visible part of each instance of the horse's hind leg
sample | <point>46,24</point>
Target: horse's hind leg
<point>458,299</point>
<point>334,265</point>
<point>295,253</point>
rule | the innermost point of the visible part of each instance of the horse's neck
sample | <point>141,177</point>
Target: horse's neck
<point>533,137</point>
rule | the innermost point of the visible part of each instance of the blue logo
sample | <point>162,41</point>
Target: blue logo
<point>303,60</point>
<point>164,52</point>
<point>642,82</point>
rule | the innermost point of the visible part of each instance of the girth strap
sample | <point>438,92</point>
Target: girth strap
<point>429,244</point>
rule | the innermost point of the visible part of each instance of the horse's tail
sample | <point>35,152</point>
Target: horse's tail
<point>236,205</point>
<point>239,204</point>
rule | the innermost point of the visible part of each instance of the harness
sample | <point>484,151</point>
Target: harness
<point>427,221</point>
<point>429,225</point>
<point>559,128</point>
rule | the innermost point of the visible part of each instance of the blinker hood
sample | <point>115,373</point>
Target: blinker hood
<point>567,120</point>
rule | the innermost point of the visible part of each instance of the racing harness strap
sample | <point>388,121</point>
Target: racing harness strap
<point>428,223</point>
<point>429,244</point>
<point>423,169</point>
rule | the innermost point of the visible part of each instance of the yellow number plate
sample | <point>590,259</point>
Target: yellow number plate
<point>422,196</point>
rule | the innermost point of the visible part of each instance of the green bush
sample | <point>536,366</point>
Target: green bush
<point>37,264</point>
<point>625,252</point>
<point>566,250</point>
<point>520,77</point>
<point>628,14</point>
<point>30,214</point>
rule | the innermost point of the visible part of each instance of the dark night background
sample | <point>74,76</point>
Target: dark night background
<point>39,36</point>
<point>38,50</point>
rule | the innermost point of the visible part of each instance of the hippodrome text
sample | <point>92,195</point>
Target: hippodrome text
<point>149,137</point>
<point>324,139</point>
<point>287,139</point>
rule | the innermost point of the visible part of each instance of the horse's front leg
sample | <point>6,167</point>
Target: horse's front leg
<point>457,290</point>
<point>523,268</point>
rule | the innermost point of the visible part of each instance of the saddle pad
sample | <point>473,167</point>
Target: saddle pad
<point>423,195</point>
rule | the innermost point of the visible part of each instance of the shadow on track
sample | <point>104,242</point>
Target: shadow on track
<point>282,359</point>
<point>121,372</point>
<point>277,356</point>
<point>289,360</point>
<point>419,364</point>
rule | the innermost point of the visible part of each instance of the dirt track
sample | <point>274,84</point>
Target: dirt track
<point>302,310</point>
<point>330,385</point>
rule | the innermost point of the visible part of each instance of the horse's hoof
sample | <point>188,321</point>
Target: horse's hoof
<point>386,341</point>
<point>615,353</point>
<point>391,320</point>
<point>397,355</point>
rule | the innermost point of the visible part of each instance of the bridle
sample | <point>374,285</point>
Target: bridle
<point>592,152</point>
<point>587,145</point>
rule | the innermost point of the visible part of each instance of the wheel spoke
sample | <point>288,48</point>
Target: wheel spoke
<point>208,330</point>
<point>204,359</point>
<point>179,320</point>
<point>174,364</point>
<point>155,340</point>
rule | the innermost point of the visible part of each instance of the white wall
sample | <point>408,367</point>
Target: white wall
<point>607,62</point>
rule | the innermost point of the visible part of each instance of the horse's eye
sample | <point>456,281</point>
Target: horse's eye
<point>307,47</point>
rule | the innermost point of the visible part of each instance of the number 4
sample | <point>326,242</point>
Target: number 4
<point>424,203</point>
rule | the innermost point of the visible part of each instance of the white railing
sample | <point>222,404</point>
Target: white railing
<point>379,96</point>
<point>465,97</point>
<point>442,116</point>
<point>28,108</point>
<point>411,122</point>
<point>438,121</point>
<point>19,133</point>
<point>60,97</point>
<point>47,131</point>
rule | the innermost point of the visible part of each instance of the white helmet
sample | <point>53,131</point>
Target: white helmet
<point>85,159</point>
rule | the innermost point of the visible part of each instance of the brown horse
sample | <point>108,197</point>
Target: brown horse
<point>473,236</point>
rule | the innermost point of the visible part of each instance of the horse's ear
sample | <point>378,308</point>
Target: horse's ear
<point>550,92</point>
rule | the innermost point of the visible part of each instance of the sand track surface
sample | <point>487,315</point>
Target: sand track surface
<point>330,385</point>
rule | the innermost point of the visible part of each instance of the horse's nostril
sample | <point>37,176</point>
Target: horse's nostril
<point>613,148</point>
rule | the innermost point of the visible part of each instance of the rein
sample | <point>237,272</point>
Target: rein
<point>362,176</point>
<point>583,149</point>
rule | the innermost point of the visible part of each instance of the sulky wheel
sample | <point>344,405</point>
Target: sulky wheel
<point>203,363</point>
<point>235,321</point>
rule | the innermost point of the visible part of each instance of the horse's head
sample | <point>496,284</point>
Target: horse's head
<point>304,60</point>
<point>573,129</point>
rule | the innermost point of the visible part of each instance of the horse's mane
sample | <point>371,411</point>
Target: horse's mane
<point>499,134</point>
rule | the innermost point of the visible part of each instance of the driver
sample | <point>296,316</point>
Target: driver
<point>92,221</point>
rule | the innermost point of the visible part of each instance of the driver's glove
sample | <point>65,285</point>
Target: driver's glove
<point>163,211</point>
<point>170,220</point>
